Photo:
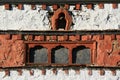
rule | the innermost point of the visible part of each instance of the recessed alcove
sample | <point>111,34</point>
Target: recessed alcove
<point>61,22</point>
<point>81,55</point>
<point>38,54</point>
<point>59,55</point>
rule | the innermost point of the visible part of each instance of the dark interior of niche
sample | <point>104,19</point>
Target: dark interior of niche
<point>61,22</point>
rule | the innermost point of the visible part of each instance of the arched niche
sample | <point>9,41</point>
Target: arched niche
<point>59,55</point>
<point>38,54</point>
<point>81,55</point>
<point>61,20</point>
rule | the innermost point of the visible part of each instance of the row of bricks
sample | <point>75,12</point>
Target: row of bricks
<point>54,37</point>
<point>66,6</point>
<point>66,71</point>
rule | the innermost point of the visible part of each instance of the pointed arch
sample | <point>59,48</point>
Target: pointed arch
<point>66,19</point>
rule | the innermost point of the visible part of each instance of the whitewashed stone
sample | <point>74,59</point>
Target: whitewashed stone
<point>36,20</point>
<point>60,75</point>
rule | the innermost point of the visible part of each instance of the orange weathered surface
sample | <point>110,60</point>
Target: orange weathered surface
<point>105,49</point>
<point>54,18</point>
<point>12,53</point>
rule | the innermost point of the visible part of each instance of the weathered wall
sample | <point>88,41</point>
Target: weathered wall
<point>26,19</point>
<point>71,74</point>
<point>105,49</point>
<point>13,48</point>
<point>84,19</point>
<point>97,19</point>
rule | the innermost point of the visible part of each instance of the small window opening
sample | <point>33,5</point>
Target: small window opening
<point>81,55</point>
<point>61,22</point>
<point>38,54</point>
<point>60,55</point>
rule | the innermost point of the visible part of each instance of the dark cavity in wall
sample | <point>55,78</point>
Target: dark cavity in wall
<point>60,55</point>
<point>81,55</point>
<point>61,22</point>
<point>38,54</point>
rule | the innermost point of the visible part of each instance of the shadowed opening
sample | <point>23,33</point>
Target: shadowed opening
<point>38,54</point>
<point>59,55</point>
<point>81,55</point>
<point>61,22</point>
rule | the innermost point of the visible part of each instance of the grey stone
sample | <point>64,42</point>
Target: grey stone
<point>60,56</point>
<point>39,55</point>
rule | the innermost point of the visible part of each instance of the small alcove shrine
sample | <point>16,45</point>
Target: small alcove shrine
<point>61,20</point>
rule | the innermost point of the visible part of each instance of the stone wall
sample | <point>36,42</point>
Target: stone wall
<point>71,74</point>
<point>107,18</point>
<point>97,19</point>
<point>105,49</point>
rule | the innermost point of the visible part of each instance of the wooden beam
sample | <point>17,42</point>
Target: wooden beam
<point>56,1</point>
